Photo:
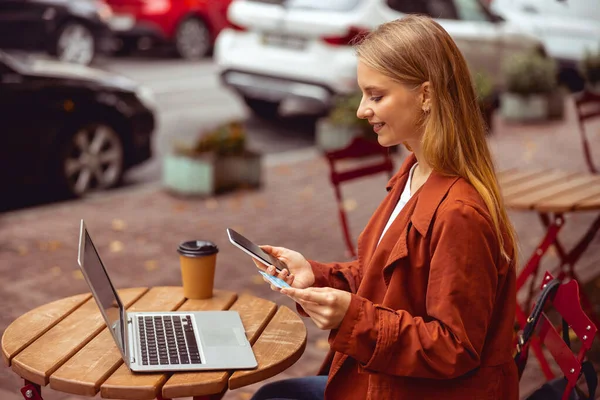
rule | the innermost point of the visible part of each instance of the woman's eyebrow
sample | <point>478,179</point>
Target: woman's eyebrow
<point>371,88</point>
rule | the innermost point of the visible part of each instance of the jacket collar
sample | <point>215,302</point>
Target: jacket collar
<point>430,195</point>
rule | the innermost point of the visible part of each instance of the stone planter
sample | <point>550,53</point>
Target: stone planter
<point>517,108</point>
<point>208,174</point>
<point>556,104</point>
<point>333,137</point>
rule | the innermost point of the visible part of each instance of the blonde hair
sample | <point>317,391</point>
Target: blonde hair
<point>414,50</point>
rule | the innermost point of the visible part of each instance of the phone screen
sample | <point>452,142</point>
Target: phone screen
<point>254,251</point>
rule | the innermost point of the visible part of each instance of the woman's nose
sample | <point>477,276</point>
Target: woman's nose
<point>363,112</point>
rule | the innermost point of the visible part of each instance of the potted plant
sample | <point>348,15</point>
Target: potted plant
<point>217,161</point>
<point>530,81</point>
<point>486,97</point>
<point>590,69</point>
<point>341,124</point>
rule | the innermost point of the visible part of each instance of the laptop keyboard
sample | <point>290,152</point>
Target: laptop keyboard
<point>168,340</point>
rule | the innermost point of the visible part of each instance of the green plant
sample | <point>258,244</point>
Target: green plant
<point>227,139</point>
<point>530,73</point>
<point>484,86</point>
<point>343,112</point>
<point>590,66</point>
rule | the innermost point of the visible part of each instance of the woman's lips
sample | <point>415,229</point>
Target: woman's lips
<point>377,127</point>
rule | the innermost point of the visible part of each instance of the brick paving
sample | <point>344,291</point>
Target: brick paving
<point>137,231</point>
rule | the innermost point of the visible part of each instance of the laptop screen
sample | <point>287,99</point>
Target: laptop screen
<point>107,298</point>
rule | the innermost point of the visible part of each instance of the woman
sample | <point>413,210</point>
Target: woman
<point>427,309</point>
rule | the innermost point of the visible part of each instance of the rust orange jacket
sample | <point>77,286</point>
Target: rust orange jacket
<point>432,309</point>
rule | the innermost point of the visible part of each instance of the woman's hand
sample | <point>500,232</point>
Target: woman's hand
<point>325,306</point>
<point>300,274</point>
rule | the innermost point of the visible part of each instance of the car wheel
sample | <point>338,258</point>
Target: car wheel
<point>263,108</point>
<point>92,158</point>
<point>75,43</point>
<point>192,39</point>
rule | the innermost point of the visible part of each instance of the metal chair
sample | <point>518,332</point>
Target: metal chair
<point>587,105</point>
<point>359,148</point>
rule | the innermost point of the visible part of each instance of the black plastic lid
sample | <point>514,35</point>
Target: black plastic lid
<point>197,248</point>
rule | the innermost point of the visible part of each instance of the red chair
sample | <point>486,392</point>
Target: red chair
<point>564,297</point>
<point>359,148</point>
<point>587,105</point>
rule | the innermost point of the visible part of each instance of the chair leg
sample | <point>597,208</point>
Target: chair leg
<point>31,391</point>
<point>536,346</point>
<point>344,221</point>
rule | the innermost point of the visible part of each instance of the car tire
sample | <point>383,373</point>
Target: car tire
<point>90,158</point>
<point>262,108</point>
<point>192,39</point>
<point>75,43</point>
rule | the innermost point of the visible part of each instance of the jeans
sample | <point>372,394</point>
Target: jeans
<point>308,388</point>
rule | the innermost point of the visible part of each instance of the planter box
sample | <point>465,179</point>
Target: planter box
<point>518,108</point>
<point>209,174</point>
<point>333,137</point>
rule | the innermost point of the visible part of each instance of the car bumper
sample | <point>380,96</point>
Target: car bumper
<point>260,71</point>
<point>138,34</point>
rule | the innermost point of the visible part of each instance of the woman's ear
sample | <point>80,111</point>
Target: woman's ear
<point>425,96</point>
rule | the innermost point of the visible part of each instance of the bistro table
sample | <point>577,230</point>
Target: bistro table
<point>552,194</point>
<point>66,344</point>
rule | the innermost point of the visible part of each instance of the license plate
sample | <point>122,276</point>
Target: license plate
<point>285,41</point>
<point>121,22</point>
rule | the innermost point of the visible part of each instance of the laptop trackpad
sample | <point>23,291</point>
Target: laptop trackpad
<point>223,337</point>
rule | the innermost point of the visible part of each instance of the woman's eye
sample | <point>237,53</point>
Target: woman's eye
<point>376,98</point>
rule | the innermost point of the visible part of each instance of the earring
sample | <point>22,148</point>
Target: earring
<point>426,110</point>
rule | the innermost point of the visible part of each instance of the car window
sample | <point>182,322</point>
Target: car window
<point>327,5</point>
<point>443,9</point>
<point>470,10</point>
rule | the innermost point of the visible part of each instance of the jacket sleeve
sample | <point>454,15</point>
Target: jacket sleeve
<point>344,276</point>
<point>460,298</point>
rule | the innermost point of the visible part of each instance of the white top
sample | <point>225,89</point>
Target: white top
<point>404,197</point>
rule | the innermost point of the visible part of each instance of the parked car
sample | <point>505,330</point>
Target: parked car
<point>68,128</point>
<point>566,28</point>
<point>190,27</point>
<point>297,53</point>
<point>74,31</point>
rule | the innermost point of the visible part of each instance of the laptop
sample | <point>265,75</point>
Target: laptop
<point>165,341</point>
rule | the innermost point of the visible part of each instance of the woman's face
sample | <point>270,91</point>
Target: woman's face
<point>391,107</point>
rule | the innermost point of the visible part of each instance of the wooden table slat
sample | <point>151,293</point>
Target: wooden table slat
<point>535,183</point>
<point>255,313</point>
<point>124,384</point>
<point>44,356</point>
<point>593,203</point>
<point>279,346</point>
<point>93,364</point>
<point>530,199</point>
<point>30,326</point>
<point>517,176</point>
<point>568,201</point>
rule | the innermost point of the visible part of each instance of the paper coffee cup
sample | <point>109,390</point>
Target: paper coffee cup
<point>198,260</point>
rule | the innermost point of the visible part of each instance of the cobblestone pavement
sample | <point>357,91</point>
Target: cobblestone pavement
<point>137,231</point>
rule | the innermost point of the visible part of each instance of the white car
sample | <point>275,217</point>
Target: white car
<point>293,56</point>
<point>566,28</point>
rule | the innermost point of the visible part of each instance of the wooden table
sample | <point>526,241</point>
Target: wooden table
<point>66,344</point>
<point>552,194</point>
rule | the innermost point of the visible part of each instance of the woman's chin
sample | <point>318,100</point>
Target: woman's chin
<point>385,142</point>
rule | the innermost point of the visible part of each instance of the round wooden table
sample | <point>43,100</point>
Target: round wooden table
<point>66,344</point>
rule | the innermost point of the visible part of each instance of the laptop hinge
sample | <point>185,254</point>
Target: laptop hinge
<point>132,340</point>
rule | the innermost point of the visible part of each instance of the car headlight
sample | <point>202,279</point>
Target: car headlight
<point>146,96</point>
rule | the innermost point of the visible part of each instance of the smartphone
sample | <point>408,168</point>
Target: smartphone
<point>253,250</point>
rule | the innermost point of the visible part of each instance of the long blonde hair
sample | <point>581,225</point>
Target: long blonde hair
<point>414,50</point>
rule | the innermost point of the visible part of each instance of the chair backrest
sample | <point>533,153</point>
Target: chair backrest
<point>587,105</point>
<point>566,303</point>
<point>359,148</point>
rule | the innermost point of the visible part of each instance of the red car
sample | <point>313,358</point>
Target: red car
<point>189,26</point>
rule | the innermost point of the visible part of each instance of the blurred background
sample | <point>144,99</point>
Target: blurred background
<point>112,110</point>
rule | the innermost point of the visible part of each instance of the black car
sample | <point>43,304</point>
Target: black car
<point>67,128</point>
<point>72,30</point>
